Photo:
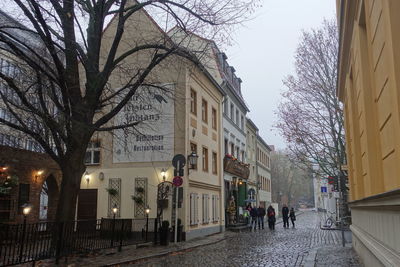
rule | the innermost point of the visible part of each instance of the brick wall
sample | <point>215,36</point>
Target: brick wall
<point>26,164</point>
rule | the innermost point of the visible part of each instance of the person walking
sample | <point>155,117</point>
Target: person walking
<point>285,216</point>
<point>292,216</point>
<point>261,215</point>
<point>271,217</point>
<point>254,214</point>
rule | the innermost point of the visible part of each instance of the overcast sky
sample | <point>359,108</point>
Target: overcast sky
<point>263,54</point>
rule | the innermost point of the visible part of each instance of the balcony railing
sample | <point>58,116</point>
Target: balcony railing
<point>236,167</point>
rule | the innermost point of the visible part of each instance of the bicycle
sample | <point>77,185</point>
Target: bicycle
<point>330,221</point>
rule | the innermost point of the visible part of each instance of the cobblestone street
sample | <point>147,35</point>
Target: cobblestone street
<point>282,247</point>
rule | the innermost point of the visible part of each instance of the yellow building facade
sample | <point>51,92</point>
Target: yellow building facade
<point>369,88</point>
<point>187,118</point>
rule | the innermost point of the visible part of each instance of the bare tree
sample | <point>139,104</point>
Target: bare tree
<point>289,181</point>
<point>61,94</point>
<point>310,116</point>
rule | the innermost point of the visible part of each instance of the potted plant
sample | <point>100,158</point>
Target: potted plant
<point>112,191</point>
<point>164,233</point>
<point>138,200</point>
<point>140,189</point>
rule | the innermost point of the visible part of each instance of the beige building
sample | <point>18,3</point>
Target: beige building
<point>368,86</point>
<point>251,156</point>
<point>125,169</point>
<point>264,172</point>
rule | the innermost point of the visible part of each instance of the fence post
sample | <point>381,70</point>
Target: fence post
<point>155,230</point>
<point>59,241</point>
<point>21,246</point>
<point>120,236</point>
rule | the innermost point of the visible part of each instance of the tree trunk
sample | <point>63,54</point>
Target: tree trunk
<point>72,171</point>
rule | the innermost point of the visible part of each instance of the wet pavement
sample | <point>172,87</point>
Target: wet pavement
<point>282,247</point>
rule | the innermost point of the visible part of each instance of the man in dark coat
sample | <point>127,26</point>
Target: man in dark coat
<point>285,216</point>
<point>261,215</point>
<point>253,214</point>
<point>271,217</point>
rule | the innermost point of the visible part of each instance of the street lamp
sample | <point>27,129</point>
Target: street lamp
<point>147,210</point>
<point>114,211</point>
<point>192,158</point>
<point>26,209</point>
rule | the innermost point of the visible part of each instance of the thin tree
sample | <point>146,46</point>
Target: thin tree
<point>61,94</point>
<point>310,117</point>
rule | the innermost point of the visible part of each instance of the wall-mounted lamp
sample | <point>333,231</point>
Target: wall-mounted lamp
<point>163,173</point>
<point>192,158</point>
<point>240,181</point>
<point>38,175</point>
<point>87,178</point>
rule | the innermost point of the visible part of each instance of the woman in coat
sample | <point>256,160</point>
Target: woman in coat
<point>292,216</point>
<point>271,217</point>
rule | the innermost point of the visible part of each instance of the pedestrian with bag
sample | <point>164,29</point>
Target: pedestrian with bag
<point>261,215</point>
<point>285,216</point>
<point>271,217</point>
<point>292,216</point>
<point>254,215</point>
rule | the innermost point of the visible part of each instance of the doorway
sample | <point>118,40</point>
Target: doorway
<point>87,204</point>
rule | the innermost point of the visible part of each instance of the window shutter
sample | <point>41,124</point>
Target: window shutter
<point>217,208</point>
<point>191,209</point>
<point>196,208</point>
<point>208,208</point>
<point>203,208</point>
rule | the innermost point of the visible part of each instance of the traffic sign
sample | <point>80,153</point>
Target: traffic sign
<point>177,181</point>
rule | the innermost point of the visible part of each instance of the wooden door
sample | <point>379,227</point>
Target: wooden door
<point>87,204</point>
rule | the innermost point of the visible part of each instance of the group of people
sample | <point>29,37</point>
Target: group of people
<point>257,216</point>
<point>286,214</point>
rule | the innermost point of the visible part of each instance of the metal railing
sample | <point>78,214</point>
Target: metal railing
<point>29,242</point>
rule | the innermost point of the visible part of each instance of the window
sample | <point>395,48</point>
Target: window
<point>205,159</point>
<point>237,117</point>
<point>214,118</point>
<point>232,149</point>
<point>241,122</point>
<point>194,219</point>
<point>226,146</point>
<point>93,153</point>
<point>225,103</point>
<point>193,148</point>
<point>232,111</point>
<point>204,113</point>
<point>206,213</point>
<point>214,163</point>
<point>237,153</point>
<point>215,208</point>
<point>193,101</point>
<point>242,156</point>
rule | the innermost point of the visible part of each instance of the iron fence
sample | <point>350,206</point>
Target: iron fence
<point>29,242</point>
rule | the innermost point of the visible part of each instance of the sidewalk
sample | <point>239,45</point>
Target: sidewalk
<point>131,254</point>
<point>332,256</point>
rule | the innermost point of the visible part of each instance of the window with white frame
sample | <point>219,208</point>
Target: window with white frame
<point>93,153</point>
<point>215,208</point>
<point>194,217</point>
<point>205,207</point>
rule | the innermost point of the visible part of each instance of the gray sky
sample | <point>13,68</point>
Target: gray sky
<point>263,54</point>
